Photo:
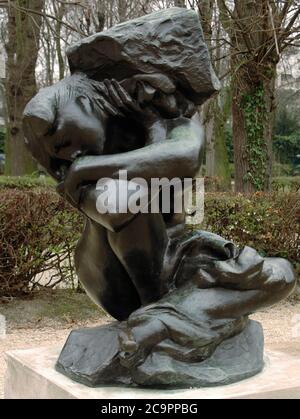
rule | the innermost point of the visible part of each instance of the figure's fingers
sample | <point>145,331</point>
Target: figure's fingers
<point>101,88</point>
<point>108,108</point>
<point>113,94</point>
<point>125,97</point>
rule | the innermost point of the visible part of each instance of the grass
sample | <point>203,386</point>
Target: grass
<point>50,308</point>
<point>26,182</point>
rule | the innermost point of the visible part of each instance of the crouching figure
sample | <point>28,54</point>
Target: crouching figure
<point>181,299</point>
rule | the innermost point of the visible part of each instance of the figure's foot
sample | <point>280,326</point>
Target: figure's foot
<point>281,276</point>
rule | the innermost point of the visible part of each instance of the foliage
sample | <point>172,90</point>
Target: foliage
<point>270,223</point>
<point>255,116</point>
<point>253,57</point>
<point>38,234</point>
<point>229,144</point>
<point>280,169</point>
<point>214,184</point>
<point>287,147</point>
<point>286,143</point>
<point>286,183</point>
<point>286,122</point>
<point>26,182</point>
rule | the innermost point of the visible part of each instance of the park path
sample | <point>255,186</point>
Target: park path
<point>281,324</point>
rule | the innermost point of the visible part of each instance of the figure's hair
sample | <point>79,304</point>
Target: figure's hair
<point>46,104</point>
<point>41,115</point>
<point>78,84</point>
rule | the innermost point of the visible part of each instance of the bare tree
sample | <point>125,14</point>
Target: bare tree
<point>66,22</point>
<point>22,46</point>
<point>59,11</point>
<point>258,32</point>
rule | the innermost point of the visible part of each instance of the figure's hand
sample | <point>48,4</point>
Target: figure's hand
<point>70,188</point>
<point>116,101</point>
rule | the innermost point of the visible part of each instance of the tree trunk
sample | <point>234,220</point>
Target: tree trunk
<point>254,69</point>
<point>209,124</point>
<point>252,125</point>
<point>215,112</point>
<point>239,135</point>
<point>59,10</point>
<point>269,98</point>
<point>22,51</point>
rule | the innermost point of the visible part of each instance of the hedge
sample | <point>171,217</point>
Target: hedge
<point>286,183</point>
<point>26,182</point>
<point>268,222</point>
<point>38,231</point>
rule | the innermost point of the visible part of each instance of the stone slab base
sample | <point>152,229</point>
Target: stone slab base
<point>31,374</point>
<point>235,359</point>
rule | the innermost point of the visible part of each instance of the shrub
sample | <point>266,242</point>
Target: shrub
<point>214,184</point>
<point>280,169</point>
<point>287,147</point>
<point>286,183</point>
<point>26,182</point>
<point>268,222</point>
<point>38,234</point>
<point>39,231</point>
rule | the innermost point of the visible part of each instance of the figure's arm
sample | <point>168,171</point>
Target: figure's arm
<point>178,156</point>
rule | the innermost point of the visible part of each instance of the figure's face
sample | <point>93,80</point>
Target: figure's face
<point>79,131</point>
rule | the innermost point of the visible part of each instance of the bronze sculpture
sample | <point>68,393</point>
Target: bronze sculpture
<point>181,299</point>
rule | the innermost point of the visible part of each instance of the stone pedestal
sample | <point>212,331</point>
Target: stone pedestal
<point>31,374</point>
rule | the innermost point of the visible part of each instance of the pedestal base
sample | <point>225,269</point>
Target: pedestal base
<point>31,374</point>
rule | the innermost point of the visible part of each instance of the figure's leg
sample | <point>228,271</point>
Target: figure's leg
<point>242,285</point>
<point>197,319</point>
<point>141,247</point>
<point>138,241</point>
<point>261,282</point>
<point>102,275</point>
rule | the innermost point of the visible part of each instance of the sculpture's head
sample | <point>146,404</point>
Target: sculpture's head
<point>63,122</point>
<point>66,121</point>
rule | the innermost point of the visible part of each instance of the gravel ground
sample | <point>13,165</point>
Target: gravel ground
<point>280,326</point>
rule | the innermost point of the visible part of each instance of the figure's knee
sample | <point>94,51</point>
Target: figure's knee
<point>119,201</point>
